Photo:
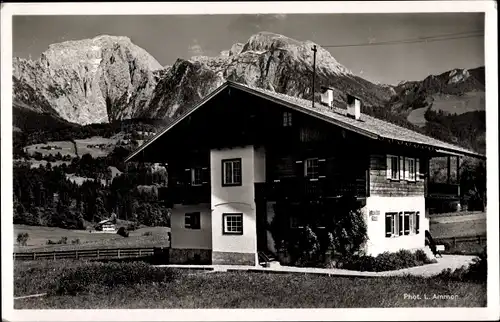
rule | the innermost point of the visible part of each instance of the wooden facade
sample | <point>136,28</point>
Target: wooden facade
<point>348,162</point>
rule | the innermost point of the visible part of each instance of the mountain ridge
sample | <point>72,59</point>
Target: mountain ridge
<point>109,78</point>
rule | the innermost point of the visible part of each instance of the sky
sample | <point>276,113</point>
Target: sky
<point>169,37</point>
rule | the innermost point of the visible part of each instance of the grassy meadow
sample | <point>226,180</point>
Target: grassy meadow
<point>38,237</point>
<point>68,148</point>
<point>86,285</point>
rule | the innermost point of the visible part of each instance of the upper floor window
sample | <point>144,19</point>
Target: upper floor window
<point>393,167</point>
<point>196,177</point>
<point>402,168</point>
<point>410,169</point>
<point>287,119</point>
<point>231,172</point>
<point>311,168</point>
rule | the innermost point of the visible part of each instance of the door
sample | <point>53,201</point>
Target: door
<point>261,214</point>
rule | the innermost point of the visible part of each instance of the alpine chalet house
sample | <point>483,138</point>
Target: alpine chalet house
<point>242,151</point>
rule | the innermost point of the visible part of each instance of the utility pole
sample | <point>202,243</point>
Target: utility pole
<point>314,49</point>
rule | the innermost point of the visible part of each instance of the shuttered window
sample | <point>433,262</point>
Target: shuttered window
<point>196,179</point>
<point>391,224</point>
<point>403,168</point>
<point>311,168</point>
<point>192,220</point>
<point>402,223</point>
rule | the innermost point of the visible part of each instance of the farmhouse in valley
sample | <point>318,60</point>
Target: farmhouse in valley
<point>105,225</point>
<point>243,152</point>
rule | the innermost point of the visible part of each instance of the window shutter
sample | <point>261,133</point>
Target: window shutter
<point>388,225</point>
<point>299,168</point>
<point>400,224</point>
<point>401,168</point>
<point>187,177</point>
<point>407,168</point>
<point>417,169</point>
<point>417,222</point>
<point>205,175</point>
<point>407,224</point>
<point>389,168</point>
<point>322,168</point>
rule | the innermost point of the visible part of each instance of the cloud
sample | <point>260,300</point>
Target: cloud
<point>257,22</point>
<point>195,49</point>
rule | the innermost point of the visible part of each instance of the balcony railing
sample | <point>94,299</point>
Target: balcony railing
<point>443,190</point>
<point>302,188</point>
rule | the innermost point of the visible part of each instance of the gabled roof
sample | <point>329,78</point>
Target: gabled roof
<point>367,125</point>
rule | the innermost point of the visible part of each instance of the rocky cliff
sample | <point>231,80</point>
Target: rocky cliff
<point>92,80</point>
<point>108,78</point>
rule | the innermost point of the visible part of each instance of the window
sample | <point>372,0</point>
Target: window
<point>196,177</point>
<point>391,224</point>
<point>287,119</point>
<point>232,224</point>
<point>192,220</point>
<point>401,224</point>
<point>311,168</point>
<point>393,167</point>
<point>410,169</point>
<point>231,173</point>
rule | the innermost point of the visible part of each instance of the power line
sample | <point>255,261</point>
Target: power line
<point>413,40</point>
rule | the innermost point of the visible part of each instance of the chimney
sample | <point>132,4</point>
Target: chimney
<point>353,107</point>
<point>327,96</point>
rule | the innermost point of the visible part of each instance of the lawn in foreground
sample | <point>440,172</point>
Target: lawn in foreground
<point>249,290</point>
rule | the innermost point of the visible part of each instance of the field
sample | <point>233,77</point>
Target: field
<point>38,237</point>
<point>458,226</point>
<point>199,289</point>
<point>452,104</point>
<point>468,224</point>
<point>68,148</point>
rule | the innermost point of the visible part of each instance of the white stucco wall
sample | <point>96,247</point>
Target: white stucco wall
<point>234,199</point>
<point>184,238</point>
<point>377,242</point>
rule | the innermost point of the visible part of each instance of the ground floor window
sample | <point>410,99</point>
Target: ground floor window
<point>232,223</point>
<point>402,223</point>
<point>192,220</point>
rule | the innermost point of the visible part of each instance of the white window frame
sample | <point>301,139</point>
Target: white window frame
<point>410,175</point>
<point>235,176</point>
<point>306,173</point>
<point>230,223</point>
<point>287,119</point>
<point>396,224</point>
<point>194,172</point>
<point>394,171</point>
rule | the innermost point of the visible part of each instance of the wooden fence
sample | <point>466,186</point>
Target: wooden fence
<point>109,253</point>
<point>453,241</point>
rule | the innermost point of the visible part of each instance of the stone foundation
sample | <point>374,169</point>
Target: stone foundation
<point>227,258</point>
<point>190,256</point>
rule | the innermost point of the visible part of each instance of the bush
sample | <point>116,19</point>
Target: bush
<point>63,240</point>
<point>75,241</point>
<point>22,239</point>
<point>122,231</point>
<point>476,272</point>
<point>147,233</point>
<point>101,277</point>
<point>338,229</point>
<point>386,261</point>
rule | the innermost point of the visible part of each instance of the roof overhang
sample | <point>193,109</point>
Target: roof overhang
<point>316,114</point>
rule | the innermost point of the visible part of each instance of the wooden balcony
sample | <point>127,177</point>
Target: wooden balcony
<point>186,195</point>
<point>306,189</point>
<point>443,190</point>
